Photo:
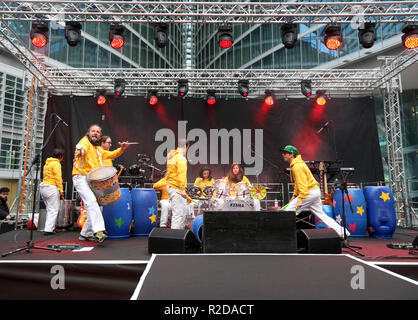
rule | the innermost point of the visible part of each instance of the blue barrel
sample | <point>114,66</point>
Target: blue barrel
<point>145,211</point>
<point>356,221</point>
<point>318,222</point>
<point>197,227</point>
<point>381,215</point>
<point>118,216</point>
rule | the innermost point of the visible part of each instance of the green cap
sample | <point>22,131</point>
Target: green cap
<point>290,149</point>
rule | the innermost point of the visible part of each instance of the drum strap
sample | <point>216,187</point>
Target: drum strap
<point>76,166</point>
<point>100,157</point>
<point>105,192</point>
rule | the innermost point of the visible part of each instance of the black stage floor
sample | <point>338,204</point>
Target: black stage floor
<point>114,270</point>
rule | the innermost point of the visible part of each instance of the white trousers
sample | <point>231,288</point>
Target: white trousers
<point>314,204</point>
<point>51,196</point>
<point>165,209</point>
<point>94,222</point>
<point>178,207</point>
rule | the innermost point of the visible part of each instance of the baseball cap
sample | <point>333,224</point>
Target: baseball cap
<point>290,149</point>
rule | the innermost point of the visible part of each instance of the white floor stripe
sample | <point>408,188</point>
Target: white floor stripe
<point>142,279</point>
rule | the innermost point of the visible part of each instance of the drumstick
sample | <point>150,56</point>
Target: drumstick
<point>120,171</point>
<point>188,198</point>
<point>132,142</point>
<point>284,207</point>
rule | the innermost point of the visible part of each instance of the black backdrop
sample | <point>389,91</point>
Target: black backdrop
<point>294,121</point>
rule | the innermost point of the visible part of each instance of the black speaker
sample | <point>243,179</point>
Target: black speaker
<point>164,240</point>
<point>318,241</point>
<point>249,232</point>
<point>305,220</point>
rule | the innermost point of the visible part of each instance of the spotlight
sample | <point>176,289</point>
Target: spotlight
<point>321,98</point>
<point>160,34</point>
<point>39,34</point>
<point>211,97</point>
<point>73,32</point>
<point>306,88</point>
<point>333,37</point>
<point>269,100</point>
<point>116,38</point>
<point>367,35</point>
<point>225,36</point>
<point>183,87</point>
<point>152,97</point>
<point>289,35</point>
<point>100,97</point>
<point>119,87</point>
<point>410,36</point>
<point>243,87</point>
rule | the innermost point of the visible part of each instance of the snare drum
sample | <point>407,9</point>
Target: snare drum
<point>103,181</point>
<point>222,188</point>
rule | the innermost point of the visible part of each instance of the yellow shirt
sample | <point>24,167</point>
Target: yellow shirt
<point>93,157</point>
<point>162,186</point>
<point>52,173</point>
<point>303,178</point>
<point>244,179</point>
<point>107,163</point>
<point>176,175</point>
<point>203,183</point>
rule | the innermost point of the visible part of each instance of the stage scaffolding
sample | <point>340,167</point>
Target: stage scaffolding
<point>283,83</point>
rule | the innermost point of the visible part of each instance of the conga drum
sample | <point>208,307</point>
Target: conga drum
<point>356,220</point>
<point>197,227</point>
<point>381,214</point>
<point>118,216</point>
<point>145,211</point>
<point>103,181</point>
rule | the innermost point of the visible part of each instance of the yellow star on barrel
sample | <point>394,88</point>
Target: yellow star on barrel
<point>153,218</point>
<point>385,196</point>
<point>360,210</point>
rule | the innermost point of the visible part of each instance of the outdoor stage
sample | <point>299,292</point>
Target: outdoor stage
<point>123,270</point>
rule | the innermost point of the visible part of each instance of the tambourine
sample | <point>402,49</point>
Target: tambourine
<point>258,192</point>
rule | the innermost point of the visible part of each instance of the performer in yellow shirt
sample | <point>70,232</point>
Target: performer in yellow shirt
<point>105,144</point>
<point>204,179</point>
<point>161,185</point>
<point>51,189</point>
<point>88,156</point>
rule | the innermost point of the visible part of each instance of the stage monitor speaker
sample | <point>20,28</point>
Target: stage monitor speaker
<point>318,241</point>
<point>163,240</point>
<point>249,232</point>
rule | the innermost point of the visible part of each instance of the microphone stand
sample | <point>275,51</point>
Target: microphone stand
<point>31,244</point>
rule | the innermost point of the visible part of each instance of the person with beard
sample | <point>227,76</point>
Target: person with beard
<point>88,156</point>
<point>236,175</point>
<point>4,208</point>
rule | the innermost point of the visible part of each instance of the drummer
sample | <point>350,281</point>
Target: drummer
<point>204,179</point>
<point>88,156</point>
<point>165,204</point>
<point>105,144</point>
<point>236,175</point>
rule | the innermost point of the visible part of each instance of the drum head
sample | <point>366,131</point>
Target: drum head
<point>222,187</point>
<point>101,174</point>
<point>242,190</point>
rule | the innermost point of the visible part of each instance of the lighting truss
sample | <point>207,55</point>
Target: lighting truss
<point>211,12</point>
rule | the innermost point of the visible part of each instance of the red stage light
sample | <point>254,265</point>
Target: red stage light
<point>321,101</point>
<point>117,42</point>
<point>153,100</point>
<point>269,101</point>
<point>211,101</point>
<point>333,43</point>
<point>411,42</point>
<point>101,100</point>
<point>39,41</point>
<point>224,44</point>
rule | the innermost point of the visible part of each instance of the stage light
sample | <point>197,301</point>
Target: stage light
<point>410,36</point>
<point>269,100</point>
<point>182,87</point>
<point>100,97</point>
<point>243,87</point>
<point>333,37</point>
<point>225,36</point>
<point>321,98</point>
<point>306,88</point>
<point>289,35</point>
<point>116,38</point>
<point>211,97</point>
<point>73,32</point>
<point>367,35</point>
<point>39,34</point>
<point>152,97</point>
<point>160,34</point>
<point>119,87</point>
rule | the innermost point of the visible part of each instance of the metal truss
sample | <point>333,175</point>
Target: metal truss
<point>315,12</point>
<point>223,81</point>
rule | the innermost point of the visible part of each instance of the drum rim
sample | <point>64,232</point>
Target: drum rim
<point>101,179</point>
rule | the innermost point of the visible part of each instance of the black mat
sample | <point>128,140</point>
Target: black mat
<point>268,277</point>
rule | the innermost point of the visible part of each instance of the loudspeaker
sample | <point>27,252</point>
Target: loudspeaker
<point>164,240</point>
<point>249,232</point>
<point>305,220</point>
<point>318,241</point>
